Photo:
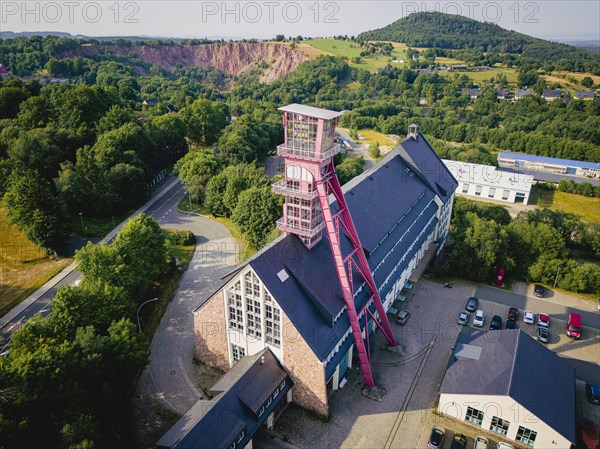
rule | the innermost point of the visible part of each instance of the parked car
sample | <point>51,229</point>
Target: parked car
<point>496,322</point>
<point>528,317</point>
<point>472,304</point>
<point>459,441</point>
<point>504,446</point>
<point>539,290</point>
<point>513,314</point>
<point>511,324</point>
<point>463,317</point>
<point>436,439</point>
<point>589,434</point>
<point>593,393</point>
<point>481,442</point>
<point>543,319</point>
<point>598,303</point>
<point>574,326</point>
<point>403,317</point>
<point>543,334</point>
<point>479,318</point>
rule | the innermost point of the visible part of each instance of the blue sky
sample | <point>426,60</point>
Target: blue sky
<point>263,19</point>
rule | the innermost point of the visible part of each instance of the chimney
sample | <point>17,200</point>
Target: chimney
<point>413,131</point>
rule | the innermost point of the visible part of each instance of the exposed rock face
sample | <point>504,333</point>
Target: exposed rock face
<point>233,58</point>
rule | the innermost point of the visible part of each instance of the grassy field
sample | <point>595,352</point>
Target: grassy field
<point>480,77</point>
<point>587,208</point>
<point>347,49</point>
<point>385,141</point>
<point>23,266</point>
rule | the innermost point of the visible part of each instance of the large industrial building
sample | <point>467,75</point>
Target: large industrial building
<point>293,296</point>
<point>489,182</point>
<point>531,162</point>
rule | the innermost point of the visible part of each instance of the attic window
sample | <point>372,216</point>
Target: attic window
<point>409,171</point>
<point>282,275</point>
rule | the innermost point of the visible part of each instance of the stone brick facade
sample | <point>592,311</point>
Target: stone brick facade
<point>209,329</point>
<point>307,372</point>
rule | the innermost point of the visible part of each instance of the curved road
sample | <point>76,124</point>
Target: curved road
<point>171,376</point>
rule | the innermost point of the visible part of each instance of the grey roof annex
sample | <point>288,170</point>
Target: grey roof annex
<point>310,111</point>
<point>514,364</point>
<point>391,202</point>
<point>548,160</point>
<point>237,410</point>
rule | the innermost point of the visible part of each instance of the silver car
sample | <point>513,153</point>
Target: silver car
<point>463,317</point>
<point>479,318</point>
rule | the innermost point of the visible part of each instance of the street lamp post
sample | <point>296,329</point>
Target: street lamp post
<point>138,312</point>
<point>556,278</point>
<point>81,216</point>
<point>190,198</point>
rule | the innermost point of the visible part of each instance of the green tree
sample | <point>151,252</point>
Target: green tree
<point>35,149</point>
<point>32,206</point>
<point>195,170</point>
<point>35,112</point>
<point>256,212</point>
<point>205,120</point>
<point>349,168</point>
<point>587,82</point>
<point>245,140</point>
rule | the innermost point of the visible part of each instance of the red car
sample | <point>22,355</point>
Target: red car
<point>499,277</point>
<point>589,434</point>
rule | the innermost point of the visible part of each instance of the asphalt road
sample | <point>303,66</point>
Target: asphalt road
<point>158,208</point>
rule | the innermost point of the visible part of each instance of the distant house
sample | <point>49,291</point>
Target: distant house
<point>551,95</point>
<point>254,392</point>
<point>471,92</point>
<point>423,101</point>
<point>506,383</point>
<point>150,102</point>
<point>585,95</point>
<point>415,57</point>
<point>502,94</point>
<point>4,72</point>
<point>521,93</point>
<point>170,108</point>
<point>457,68</point>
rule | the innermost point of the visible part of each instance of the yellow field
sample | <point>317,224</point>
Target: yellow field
<point>587,208</point>
<point>23,266</point>
<point>385,141</point>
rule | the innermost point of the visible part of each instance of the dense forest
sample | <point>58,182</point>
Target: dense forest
<point>447,31</point>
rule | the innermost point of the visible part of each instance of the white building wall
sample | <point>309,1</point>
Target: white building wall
<point>486,181</point>
<point>504,407</point>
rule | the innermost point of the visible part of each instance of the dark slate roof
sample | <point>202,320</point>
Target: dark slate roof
<point>384,201</point>
<point>523,92</point>
<point>473,92</point>
<point>241,392</point>
<point>545,159</point>
<point>551,94</point>
<point>514,364</point>
<point>584,94</point>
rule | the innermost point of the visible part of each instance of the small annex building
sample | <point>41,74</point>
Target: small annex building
<point>254,392</point>
<point>490,182</point>
<point>505,382</point>
<point>534,163</point>
<point>288,298</point>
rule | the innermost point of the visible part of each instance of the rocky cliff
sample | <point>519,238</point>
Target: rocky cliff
<point>234,57</point>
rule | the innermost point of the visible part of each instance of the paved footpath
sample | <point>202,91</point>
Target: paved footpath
<point>170,376</point>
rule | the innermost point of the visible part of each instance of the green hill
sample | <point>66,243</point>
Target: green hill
<point>447,31</point>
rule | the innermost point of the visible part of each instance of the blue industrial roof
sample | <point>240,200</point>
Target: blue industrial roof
<point>514,364</point>
<point>242,391</point>
<point>550,160</point>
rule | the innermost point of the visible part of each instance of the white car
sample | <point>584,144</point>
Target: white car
<point>528,317</point>
<point>463,318</point>
<point>504,446</point>
<point>479,318</point>
<point>543,319</point>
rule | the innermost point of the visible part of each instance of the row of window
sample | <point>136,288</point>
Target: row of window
<point>271,398</point>
<point>259,318</point>
<point>491,192</point>
<point>500,426</point>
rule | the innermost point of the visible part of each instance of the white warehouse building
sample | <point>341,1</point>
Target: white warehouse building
<point>487,181</point>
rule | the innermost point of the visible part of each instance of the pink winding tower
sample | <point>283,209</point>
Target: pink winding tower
<point>310,178</point>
